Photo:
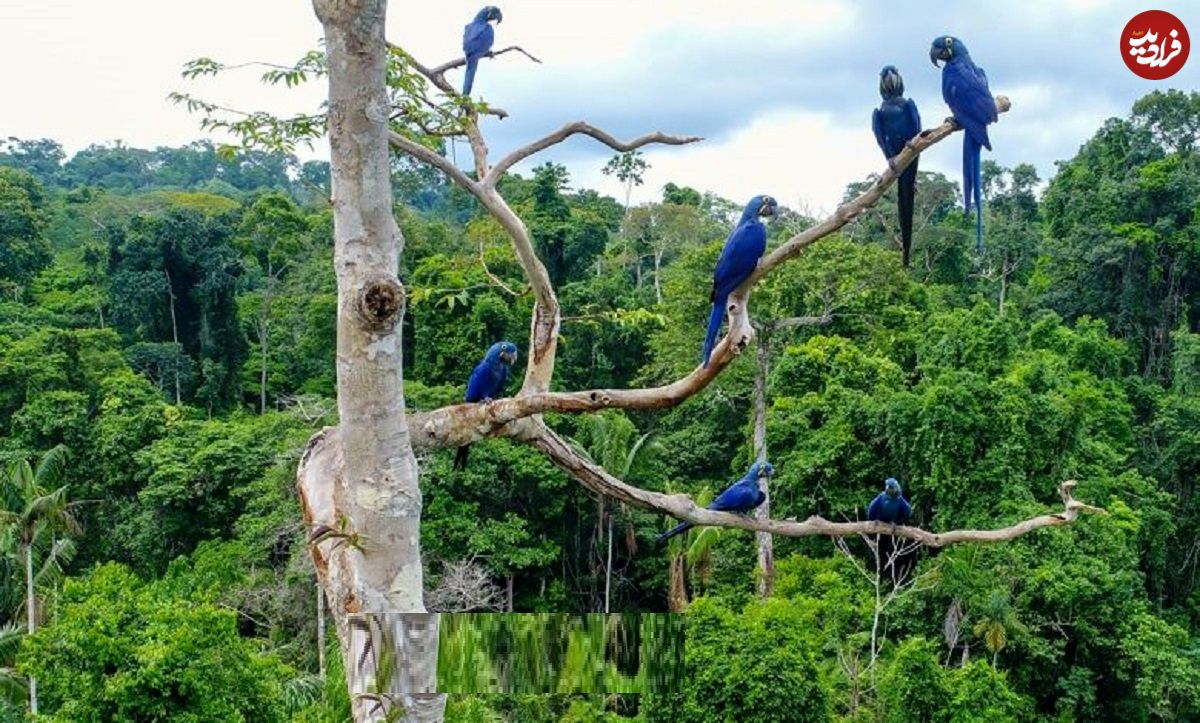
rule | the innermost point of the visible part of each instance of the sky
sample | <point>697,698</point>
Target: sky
<point>781,90</point>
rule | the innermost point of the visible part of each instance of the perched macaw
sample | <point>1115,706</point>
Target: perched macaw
<point>487,383</point>
<point>478,37</point>
<point>965,88</point>
<point>890,505</point>
<point>742,496</point>
<point>743,249</point>
<point>896,122</point>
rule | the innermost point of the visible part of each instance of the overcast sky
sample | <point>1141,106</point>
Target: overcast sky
<point>782,90</point>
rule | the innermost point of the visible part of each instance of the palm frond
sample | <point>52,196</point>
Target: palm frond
<point>51,467</point>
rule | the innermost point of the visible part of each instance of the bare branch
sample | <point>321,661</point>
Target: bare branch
<point>496,280</point>
<point>437,76</point>
<point>460,62</point>
<point>460,424</point>
<point>848,211</point>
<point>465,586</point>
<point>682,507</point>
<point>433,158</point>
<point>581,128</point>
<point>796,321</point>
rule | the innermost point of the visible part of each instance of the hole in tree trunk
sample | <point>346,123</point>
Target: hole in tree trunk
<point>379,302</point>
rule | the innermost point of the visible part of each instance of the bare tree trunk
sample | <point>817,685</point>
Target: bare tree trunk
<point>879,605</point>
<point>358,482</point>
<point>262,380</point>
<point>321,630</point>
<point>1004,271</point>
<point>264,333</point>
<point>31,621</point>
<point>658,254</point>
<point>174,334</point>
<point>766,545</point>
<point>508,591</point>
<point>608,564</point>
<point>677,595</point>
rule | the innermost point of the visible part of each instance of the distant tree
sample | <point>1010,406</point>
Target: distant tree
<point>628,168</point>
<point>24,250</point>
<point>174,278</point>
<point>42,157</point>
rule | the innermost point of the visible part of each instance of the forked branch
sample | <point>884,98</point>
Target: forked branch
<point>587,129</point>
<point>460,62</point>
<point>598,480</point>
<point>517,417</point>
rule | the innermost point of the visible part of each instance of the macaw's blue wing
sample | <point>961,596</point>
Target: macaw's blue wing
<point>477,42</point>
<point>478,37</point>
<point>905,511</point>
<point>877,129</point>
<point>740,256</point>
<point>738,498</point>
<point>875,509</point>
<point>738,259</point>
<point>479,386</point>
<point>965,89</point>
<point>914,117</point>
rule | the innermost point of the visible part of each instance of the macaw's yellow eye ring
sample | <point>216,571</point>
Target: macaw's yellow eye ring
<point>948,41</point>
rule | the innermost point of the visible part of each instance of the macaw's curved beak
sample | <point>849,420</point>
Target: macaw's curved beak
<point>935,54</point>
<point>768,209</point>
<point>509,357</point>
<point>499,17</point>
<point>891,82</point>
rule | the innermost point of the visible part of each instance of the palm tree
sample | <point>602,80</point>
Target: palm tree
<point>691,557</point>
<point>611,440</point>
<point>33,515</point>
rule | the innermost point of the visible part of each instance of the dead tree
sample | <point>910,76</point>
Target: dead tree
<point>359,481</point>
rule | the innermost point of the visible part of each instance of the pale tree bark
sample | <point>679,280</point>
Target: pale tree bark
<point>359,487</point>
<point>766,546</point>
<point>174,334</point>
<point>608,565</point>
<point>31,621</point>
<point>320,630</point>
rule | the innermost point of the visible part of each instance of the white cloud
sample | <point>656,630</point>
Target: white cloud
<point>783,87</point>
<point>804,159</point>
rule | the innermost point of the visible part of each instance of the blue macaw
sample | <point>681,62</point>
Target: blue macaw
<point>890,505</point>
<point>896,122</point>
<point>478,37</point>
<point>965,88</point>
<point>743,249</point>
<point>742,496</point>
<point>487,382</point>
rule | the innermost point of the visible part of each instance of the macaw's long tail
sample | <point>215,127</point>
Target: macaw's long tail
<point>679,529</point>
<point>469,80</point>
<point>973,185</point>
<point>714,326</point>
<point>906,194</point>
<point>460,457</point>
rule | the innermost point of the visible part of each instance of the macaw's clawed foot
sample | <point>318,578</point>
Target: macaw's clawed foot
<point>925,133</point>
<point>892,163</point>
